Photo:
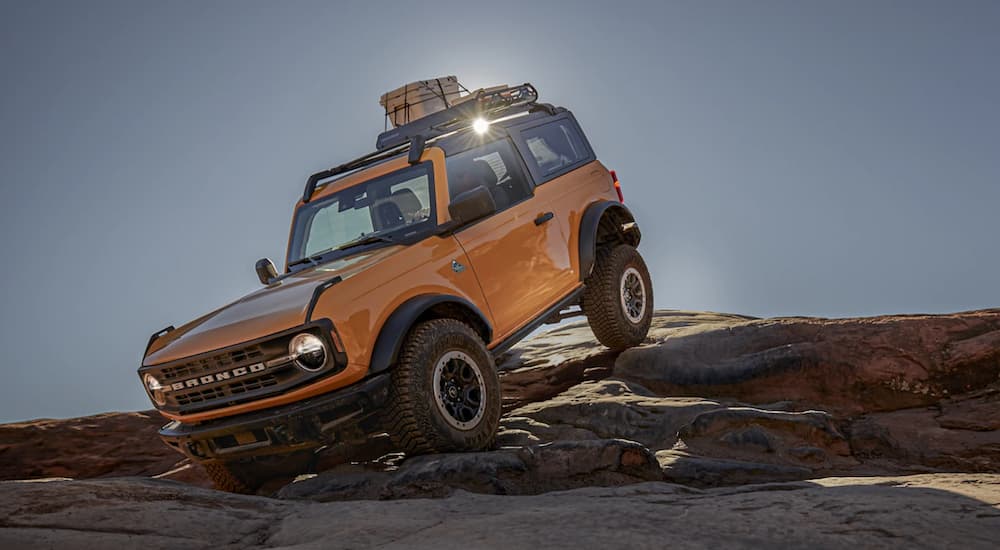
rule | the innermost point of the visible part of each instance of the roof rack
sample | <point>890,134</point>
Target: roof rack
<point>485,103</point>
<point>359,162</point>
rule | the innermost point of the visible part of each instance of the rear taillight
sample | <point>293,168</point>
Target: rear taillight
<point>618,187</point>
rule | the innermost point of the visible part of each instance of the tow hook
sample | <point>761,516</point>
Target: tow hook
<point>281,432</point>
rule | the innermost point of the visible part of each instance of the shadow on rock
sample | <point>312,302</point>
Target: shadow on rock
<point>521,471</point>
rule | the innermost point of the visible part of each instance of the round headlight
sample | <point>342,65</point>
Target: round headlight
<point>308,352</point>
<point>155,390</point>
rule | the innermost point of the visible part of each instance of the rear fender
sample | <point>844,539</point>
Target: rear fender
<point>604,223</point>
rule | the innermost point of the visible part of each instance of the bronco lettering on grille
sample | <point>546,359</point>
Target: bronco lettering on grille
<point>217,377</point>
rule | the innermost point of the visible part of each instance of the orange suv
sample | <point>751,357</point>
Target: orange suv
<point>408,271</point>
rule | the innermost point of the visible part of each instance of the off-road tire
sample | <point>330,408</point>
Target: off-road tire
<point>228,477</point>
<point>247,476</point>
<point>602,298</point>
<point>414,420</point>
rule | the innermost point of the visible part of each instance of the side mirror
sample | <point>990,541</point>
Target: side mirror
<point>266,271</point>
<point>471,205</point>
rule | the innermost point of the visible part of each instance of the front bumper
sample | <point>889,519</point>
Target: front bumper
<point>303,425</point>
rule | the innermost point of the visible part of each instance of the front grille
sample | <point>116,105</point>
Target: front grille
<point>236,375</point>
<point>195,396</point>
<point>222,361</point>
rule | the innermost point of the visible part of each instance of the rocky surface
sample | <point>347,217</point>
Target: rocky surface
<point>526,470</point>
<point>103,445</point>
<point>847,366</point>
<point>724,399</point>
<point>686,426</point>
<point>924,511</point>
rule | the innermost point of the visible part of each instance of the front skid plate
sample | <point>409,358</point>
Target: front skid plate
<point>306,424</point>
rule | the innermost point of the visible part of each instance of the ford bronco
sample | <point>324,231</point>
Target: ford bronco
<point>408,271</point>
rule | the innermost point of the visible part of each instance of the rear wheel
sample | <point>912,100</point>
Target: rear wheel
<point>618,298</point>
<point>445,392</point>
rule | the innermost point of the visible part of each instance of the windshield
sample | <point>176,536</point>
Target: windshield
<point>397,205</point>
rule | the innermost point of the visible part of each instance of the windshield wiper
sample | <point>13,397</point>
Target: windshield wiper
<point>316,258</point>
<point>361,241</point>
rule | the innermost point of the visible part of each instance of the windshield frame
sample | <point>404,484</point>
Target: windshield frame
<point>405,234</point>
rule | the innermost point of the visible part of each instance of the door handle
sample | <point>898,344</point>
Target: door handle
<point>544,218</point>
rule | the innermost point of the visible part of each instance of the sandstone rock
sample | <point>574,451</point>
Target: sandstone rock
<point>551,362</point>
<point>926,511</point>
<point>957,436</point>
<point>612,409</point>
<point>188,472</point>
<point>847,366</point>
<point>710,399</point>
<point>698,441</point>
<point>807,439</point>
<point>128,513</point>
<point>529,470</point>
<point>111,444</point>
<point>699,471</point>
<point>977,411</point>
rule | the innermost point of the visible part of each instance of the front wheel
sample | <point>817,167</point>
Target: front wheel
<point>618,298</point>
<point>445,392</point>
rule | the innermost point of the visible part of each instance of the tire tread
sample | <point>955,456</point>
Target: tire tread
<point>601,302</point>
<point>408,418</point>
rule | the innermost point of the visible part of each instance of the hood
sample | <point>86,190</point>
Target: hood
<point>272,309</point>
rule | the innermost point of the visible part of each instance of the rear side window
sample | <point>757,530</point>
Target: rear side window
<point>494,166</point>
<point>555,146</point>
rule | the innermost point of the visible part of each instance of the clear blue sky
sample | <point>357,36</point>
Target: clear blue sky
<point>799,157</point>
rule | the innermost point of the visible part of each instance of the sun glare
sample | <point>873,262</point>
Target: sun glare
<point>480,125</point>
